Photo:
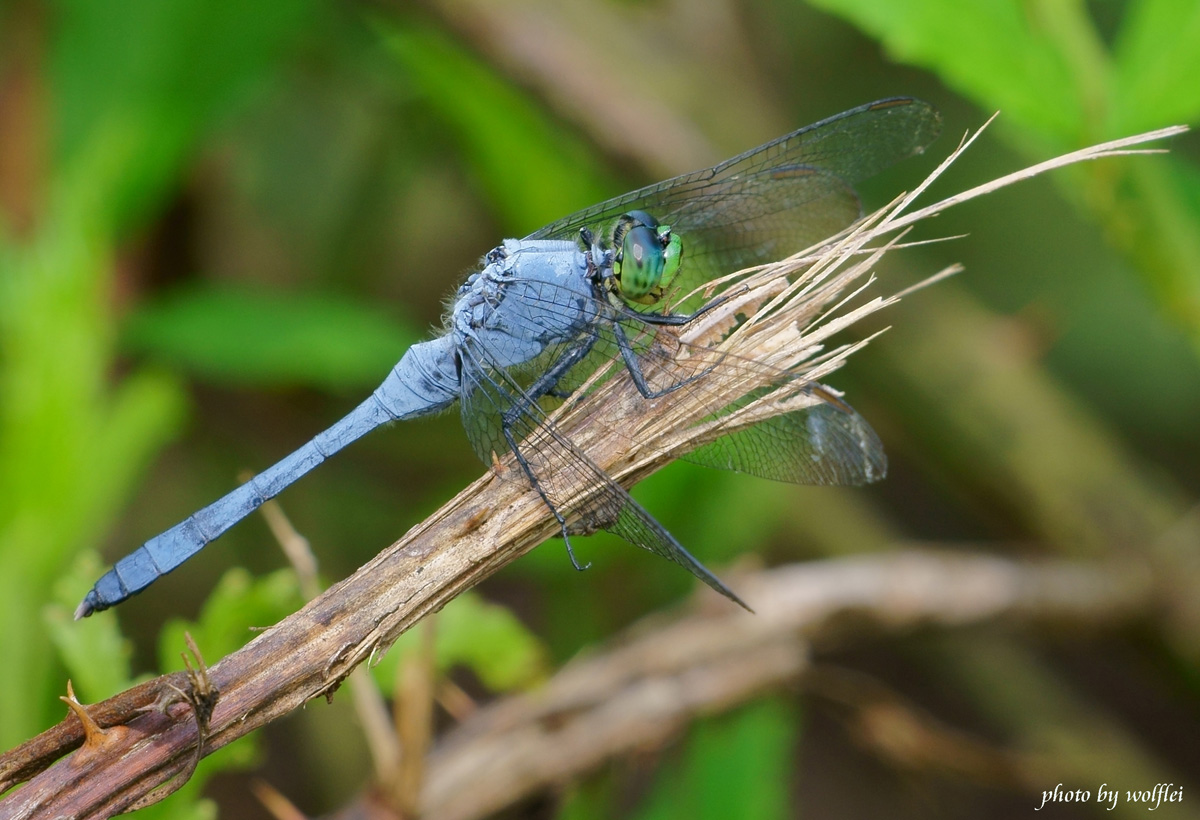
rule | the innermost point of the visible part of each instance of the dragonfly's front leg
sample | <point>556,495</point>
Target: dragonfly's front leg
<point>674,319</point>
<point>634,365</point>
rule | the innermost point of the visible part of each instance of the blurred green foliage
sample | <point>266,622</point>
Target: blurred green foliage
<point>244,214</point>
<point>733,767</point>
<point>1060,86</point>
<point>236,336</point>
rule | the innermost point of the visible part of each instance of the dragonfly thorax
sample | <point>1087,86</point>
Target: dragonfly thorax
<point>530,295</point>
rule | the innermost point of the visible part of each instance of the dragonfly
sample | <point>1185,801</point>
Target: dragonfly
<point>585,292</point>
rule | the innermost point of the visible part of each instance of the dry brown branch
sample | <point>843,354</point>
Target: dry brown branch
<point>489,524</point>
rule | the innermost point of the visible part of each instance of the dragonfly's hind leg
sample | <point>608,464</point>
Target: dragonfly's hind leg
<point>563,527</point>
<point>571,554</point>
<point>546,385</point>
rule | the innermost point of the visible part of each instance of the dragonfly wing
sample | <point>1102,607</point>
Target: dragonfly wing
<point>821,444</point>
<point>641,529</point>
<point>773,200</point>
<point>850,146</point>
<point>757,218</point>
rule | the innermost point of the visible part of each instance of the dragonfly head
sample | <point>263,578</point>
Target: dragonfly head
<point>646,259</point>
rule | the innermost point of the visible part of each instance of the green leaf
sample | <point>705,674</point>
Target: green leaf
<point>533,170</point>
<point>237,336</point>
<point>71,447</point>
<point>131,87</point>
<point>94,651</point>
<point>143,415</point>
<point>97,659</point>
<point>738,765</point>
<point>1157,79</point>
<point>997,52</point>
<point>237,604</point>
<point>156,74</point>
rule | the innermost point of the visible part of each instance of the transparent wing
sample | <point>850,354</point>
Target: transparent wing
<point>827,443</point>
<point>754,208</point>
<point>773,200</point>
<point>821,444</point>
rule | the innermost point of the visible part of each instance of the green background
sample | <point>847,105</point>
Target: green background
<point>221,223</point>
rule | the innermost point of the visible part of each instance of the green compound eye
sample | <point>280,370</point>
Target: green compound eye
<point>647,258</point>
<point>642,263</point>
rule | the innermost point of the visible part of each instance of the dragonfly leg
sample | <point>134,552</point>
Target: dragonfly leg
<point>547,383</point>
<point>571,554</point>
<point>541,491</point>
<point>674,319</point>
<point>634,366</point>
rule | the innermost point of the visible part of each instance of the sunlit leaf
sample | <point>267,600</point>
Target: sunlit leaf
<point>993,51</point>
<point>1157,60</point>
